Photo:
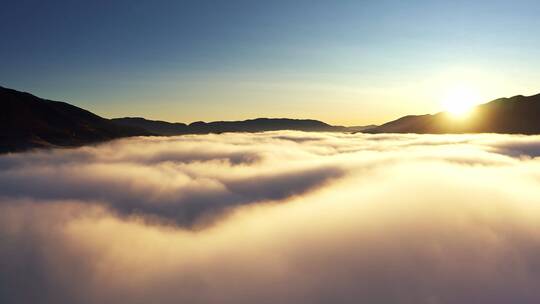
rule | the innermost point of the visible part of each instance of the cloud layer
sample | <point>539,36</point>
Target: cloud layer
<point>276,217</point>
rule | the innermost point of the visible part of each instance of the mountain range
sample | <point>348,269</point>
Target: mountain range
<point>250,125</point>
<point>27,122</point>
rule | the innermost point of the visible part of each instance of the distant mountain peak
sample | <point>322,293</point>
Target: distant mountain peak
<point>249,125</point>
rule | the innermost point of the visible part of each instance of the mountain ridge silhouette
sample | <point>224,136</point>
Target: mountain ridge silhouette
<point>28,121</point>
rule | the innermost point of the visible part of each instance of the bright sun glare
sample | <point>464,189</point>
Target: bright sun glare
<point>460,101</point>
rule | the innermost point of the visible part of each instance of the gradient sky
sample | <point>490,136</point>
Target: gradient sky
<point>344,62</point>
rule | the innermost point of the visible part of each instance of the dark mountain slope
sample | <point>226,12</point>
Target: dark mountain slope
<point>516,115</point>
<point>27,121</point>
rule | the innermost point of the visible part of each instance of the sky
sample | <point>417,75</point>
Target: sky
<point>343,62</point>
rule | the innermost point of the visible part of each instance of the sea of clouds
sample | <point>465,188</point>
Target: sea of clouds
<point>276,217</point>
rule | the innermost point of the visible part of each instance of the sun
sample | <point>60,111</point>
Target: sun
<point>460,101</point>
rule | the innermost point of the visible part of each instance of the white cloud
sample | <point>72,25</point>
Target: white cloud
<point>277,217</point>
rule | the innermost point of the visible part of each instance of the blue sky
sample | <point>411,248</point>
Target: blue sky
<point>348,62</point>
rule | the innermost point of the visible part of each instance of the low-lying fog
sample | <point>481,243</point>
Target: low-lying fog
<point>278,217</point>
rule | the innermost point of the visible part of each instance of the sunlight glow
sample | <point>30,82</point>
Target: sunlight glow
<point>459,101</point>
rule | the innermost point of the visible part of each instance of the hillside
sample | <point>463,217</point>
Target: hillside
<point>515,115</point>
<point>27,121</point>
